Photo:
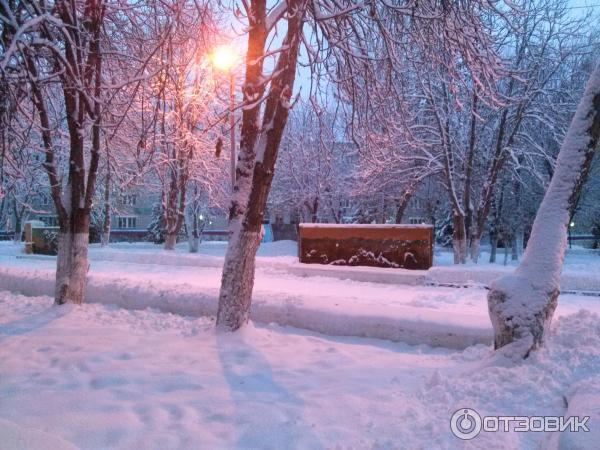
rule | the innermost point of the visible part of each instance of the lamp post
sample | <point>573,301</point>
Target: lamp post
<point>224,59</point>
<point>232,129</point>
<point>571,225</point>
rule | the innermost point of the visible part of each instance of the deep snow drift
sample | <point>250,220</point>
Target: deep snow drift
<point>100,377</point>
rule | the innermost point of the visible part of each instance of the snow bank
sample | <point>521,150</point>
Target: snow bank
<point>538,386</point>
<point>407,323</point>
<point>584,400</point>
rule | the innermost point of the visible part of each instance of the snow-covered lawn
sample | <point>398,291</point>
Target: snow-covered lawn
<point>115,374</point>
<point>100,377</point>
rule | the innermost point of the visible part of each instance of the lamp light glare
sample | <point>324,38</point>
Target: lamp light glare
<point>223,57</point>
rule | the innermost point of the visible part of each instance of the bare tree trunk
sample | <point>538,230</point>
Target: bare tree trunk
<point>170,241</point>
<point>404,200</point>
<point>257,160</point>
<point>400,209</point>
<point>474,244</point>
<point>494,244</point>
<point>194,235</point>
<point>487,192</point>
<point>194,244</point>
<point>313,209</point>
<point>515,252</point>
<point>72,260</point>
<point>459,238</point>
<point>18,226</point>
<point>2,210</point>
<point>507,244</point>
<point>521,305</point>
<point>105,238</point>
<point>520,240</point>
<point>467,202</point>
<point>192,223</point>
<point>175,211</point>
<point>459,235</point>
<point>18,231</point>
<point>74,219</point>
<point>336,214</point>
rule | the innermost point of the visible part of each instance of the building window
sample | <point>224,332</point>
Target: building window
<point>126,222</point>
<point>416,220</point>
<point>49,221</point>
<point>128,199</point>
<point>344,206</point>
<point>45,200</point>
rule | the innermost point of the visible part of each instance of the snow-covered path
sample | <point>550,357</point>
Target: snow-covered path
<point>101,377</point>
<point>174,282</point>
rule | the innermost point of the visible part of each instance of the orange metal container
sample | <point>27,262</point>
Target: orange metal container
<point>399,246</point>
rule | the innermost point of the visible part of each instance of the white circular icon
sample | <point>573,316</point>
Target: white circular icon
<point>465,423</point>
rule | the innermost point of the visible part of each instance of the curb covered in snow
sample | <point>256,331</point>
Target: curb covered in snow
<point>402,324</point>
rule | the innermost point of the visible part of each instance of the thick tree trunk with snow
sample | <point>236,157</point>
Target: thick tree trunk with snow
<point>74,216</point>
<point>72,259</point>
<point>258,153</point>
<point>521,305</point>
<point>76,60</point>
<point>71,268</point>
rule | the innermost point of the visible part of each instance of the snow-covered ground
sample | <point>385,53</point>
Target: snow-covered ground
<point>141,365</point>
<point>391,304</point>
<point>99,377</point>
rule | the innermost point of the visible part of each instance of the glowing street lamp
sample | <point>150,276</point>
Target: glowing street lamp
<point>224,58</point>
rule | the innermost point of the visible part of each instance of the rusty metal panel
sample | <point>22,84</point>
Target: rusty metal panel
<point>398,246</point>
